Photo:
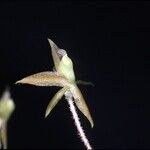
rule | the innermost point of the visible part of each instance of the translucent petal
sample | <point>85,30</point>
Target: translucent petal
<point>55,55</point>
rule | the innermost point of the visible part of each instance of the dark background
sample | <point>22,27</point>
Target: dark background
<point>109,43</point>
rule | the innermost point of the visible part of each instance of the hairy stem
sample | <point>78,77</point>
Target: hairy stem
<point>80,130</point>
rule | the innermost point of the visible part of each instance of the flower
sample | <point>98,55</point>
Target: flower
<point>64,77</point>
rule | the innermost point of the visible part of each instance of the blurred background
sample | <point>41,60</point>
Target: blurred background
<point>109,45</point>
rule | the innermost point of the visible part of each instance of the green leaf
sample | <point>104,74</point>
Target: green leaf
<point>46,78</point>
<point>55,100</point>
<point>81,104</point>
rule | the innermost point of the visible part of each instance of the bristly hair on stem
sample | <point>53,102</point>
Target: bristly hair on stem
<point>75,116</point>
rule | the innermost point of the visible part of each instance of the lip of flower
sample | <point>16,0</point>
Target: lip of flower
<point>66,68</point>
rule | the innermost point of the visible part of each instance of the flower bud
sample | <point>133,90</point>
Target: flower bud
<point>7,106</point>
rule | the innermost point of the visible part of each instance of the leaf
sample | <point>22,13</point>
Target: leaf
<point>81,104</point>
<point>55,55</point>
<point>84,82</point>
<point>46,78</point>
<point>55,100</point>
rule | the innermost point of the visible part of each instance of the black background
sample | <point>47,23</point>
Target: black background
<point>109,43</point>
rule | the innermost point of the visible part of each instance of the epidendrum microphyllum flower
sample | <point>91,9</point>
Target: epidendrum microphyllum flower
<point>64,77</point>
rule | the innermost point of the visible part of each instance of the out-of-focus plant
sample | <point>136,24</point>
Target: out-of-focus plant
<point>7,106</point>
<point>64,77</point>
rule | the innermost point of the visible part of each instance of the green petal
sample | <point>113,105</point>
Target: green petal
<point>55,100</point>
<point>81,104</point>
<point>46,78</point>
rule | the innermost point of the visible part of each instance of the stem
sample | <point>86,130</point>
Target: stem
<point>1,122</point>
<point>4,135</point>
<point>80,130</point>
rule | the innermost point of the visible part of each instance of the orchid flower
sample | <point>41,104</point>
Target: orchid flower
<point>63,77</point>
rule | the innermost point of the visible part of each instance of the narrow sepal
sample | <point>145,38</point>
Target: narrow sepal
<point>46,78</point>
<point>81,104</point>
<point>55,100</point>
